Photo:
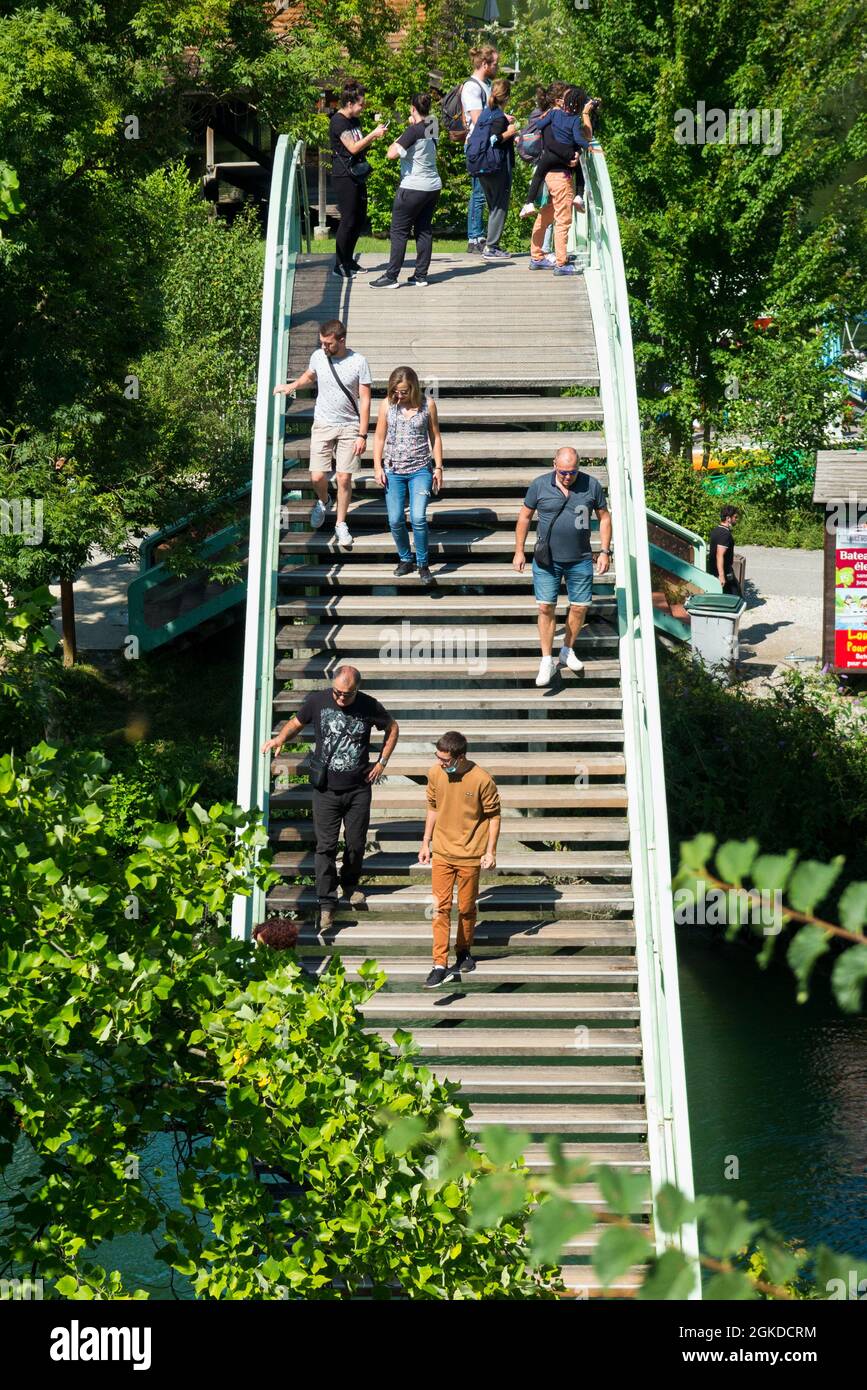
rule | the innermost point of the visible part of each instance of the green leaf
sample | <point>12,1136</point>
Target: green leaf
<point>671,1208</point>
<point>812,882</point>
<point>852,907</point>
<point>695,854</point>
<point>494,1196</point>
<point>725,1227</point>
<point>552,1224</point>
<point>805,949</point>
<point>622,1192</point>
<point>734,860</point>
<point>849,977</point>
<point>504,1146</point>
<point>731,1286</point>
<point>672,1276</point>
<point>617,1250</point>
<point>771,871</point>
<point>404,1134</point>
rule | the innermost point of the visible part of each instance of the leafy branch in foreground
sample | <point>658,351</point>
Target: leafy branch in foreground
<point>767,892</point>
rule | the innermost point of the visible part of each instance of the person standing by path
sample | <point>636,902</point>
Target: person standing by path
<point>416,197</point>
<point>340,420</point>
<point>409,441</point>
<point>460,839</point>
<point>342,720</point>
<point>349,173</point>
<point>721,550</point>
<point>474,97</point>
<point>563,500</point>
<point>497,185</point>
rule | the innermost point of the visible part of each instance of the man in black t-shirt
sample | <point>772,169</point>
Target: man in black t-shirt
<point>342,718</point>
<point>721,551</point>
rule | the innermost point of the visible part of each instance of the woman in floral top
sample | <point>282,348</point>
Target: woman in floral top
<point>408,462</point>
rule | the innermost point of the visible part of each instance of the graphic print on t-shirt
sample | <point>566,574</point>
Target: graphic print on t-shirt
<point>344,740</point>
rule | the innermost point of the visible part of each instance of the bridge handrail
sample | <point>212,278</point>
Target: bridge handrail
<point>668,1119</point>
<point>286,212</point>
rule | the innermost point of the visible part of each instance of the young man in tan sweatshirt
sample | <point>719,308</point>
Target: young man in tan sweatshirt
<point>460,839</point>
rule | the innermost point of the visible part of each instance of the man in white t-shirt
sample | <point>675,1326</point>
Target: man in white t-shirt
<point>340,420</point>
<point>474,95</point>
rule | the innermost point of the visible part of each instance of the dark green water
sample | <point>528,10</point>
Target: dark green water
<point>781,1086</point>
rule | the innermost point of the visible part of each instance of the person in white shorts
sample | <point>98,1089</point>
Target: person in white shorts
<point>340,420</point>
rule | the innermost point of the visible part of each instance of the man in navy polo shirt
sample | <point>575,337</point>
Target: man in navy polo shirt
<point>564,500</point>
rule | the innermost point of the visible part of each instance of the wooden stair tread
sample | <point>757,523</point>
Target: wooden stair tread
<point>500,410</point>
<point>432,607</point>
<point>525,971</point>
<point>532,861</point>
<point>523,667</point>
<point>512,828</point>
<point>462,542</point>
<point>616,897</point>
<point>442,511</point>
<point>521,1042</point>
<point>355,636</point>
<point>559,1118</point>
<point>410,796</point>
<point>515,1080</point>
<point>457,1002</point>
<point>497,764</point>
<point>487,445</point>
<point>446,572</point>
<point>490,933</point>
<point>566,695</point>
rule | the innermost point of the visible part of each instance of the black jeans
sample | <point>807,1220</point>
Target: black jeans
<point>412,213</point>
<point>351,199</point>
<point>351,809</point>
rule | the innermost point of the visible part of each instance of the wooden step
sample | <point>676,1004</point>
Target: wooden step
<point>633,1156</point>
<point>355,637</point>
<point>491,934</point>
<point>382,831</point>
<point>542,1081</point>
<point>487,446</point>
<point>572,732</point>
<point>526,970</point>
<point>496,410</point>
<point>582,863</point>
<point>302,670</point>
<point>432,606</point>
<point>541,896</point>
<point>346,573</point>
<point>453,1001</point>
<point>586,1243</point>
<point>587,764</point>
<point>590,1193</point>
<point>447,511</point>
<point>523,1043</point>
<point>549,1118</point>
<point>458,477</point>
<point>387,795</point>
<point>582,1282</point>
<point>441,544</point>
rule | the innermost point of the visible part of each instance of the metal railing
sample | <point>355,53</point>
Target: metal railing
<point>287,214</point>
<point>597,240</point>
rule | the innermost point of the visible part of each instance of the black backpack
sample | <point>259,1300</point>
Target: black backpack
<point>453,111</point>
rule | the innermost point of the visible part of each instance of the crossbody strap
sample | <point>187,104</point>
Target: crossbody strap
<point>345,389</point>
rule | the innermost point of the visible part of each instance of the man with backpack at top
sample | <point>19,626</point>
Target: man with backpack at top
<point>490,157</point>
<point>460,111</point>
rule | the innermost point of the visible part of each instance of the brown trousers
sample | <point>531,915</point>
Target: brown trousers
<point>443,878</point>
<point>558,210</point>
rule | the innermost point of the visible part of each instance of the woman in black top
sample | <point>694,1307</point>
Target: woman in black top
<point>498,187</point>
<point>348,146</point>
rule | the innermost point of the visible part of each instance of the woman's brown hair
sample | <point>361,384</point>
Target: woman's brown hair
<point>500,89</point>
<point>404,376</point>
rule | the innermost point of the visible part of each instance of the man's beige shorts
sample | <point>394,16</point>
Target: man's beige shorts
<point>328,442</point>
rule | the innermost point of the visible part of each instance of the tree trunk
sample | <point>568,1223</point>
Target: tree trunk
<point>705,447</point>
<point>67,622</point>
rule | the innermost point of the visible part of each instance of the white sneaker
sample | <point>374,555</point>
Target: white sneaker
<point>341,531</point>
<point>527,209</point>
<point>547,667</point>
<point>578,202</point>
<point>568,658</point>
<point>318,514</point>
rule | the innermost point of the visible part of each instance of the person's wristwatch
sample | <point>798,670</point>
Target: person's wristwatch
<point>383,762</point>
<point>602,551</point>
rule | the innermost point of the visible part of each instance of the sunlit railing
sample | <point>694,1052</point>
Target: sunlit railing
<point>597,241</point>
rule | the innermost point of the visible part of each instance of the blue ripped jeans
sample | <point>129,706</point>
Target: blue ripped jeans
<point>413,489</point>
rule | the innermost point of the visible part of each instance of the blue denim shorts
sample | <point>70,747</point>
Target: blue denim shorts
<point>578,576</point>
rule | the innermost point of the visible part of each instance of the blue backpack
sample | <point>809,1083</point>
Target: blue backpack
<point>483,157</point>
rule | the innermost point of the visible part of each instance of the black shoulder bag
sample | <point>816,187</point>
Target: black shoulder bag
<point>315,770</point>
<point>542,548</point>
<point>347,393</point>
<point>359,172</point>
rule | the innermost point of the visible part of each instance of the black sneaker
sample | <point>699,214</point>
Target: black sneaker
<point>425,575</point>
<point>384,282</point>
<point>436,977</point>
<point>420,280</point>
<point>405,567</point>
<point>356,265</point>
<point>342,273</point>
<point>464,965</point>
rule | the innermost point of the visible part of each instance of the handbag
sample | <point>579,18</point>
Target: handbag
<point>542,548</point>
<point>360,172</point>
<point>315,770</point>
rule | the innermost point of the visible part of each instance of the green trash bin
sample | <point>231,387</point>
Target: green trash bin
<point>714,623</point>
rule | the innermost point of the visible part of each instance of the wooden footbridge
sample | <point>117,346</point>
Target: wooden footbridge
<point>570,1025</point>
